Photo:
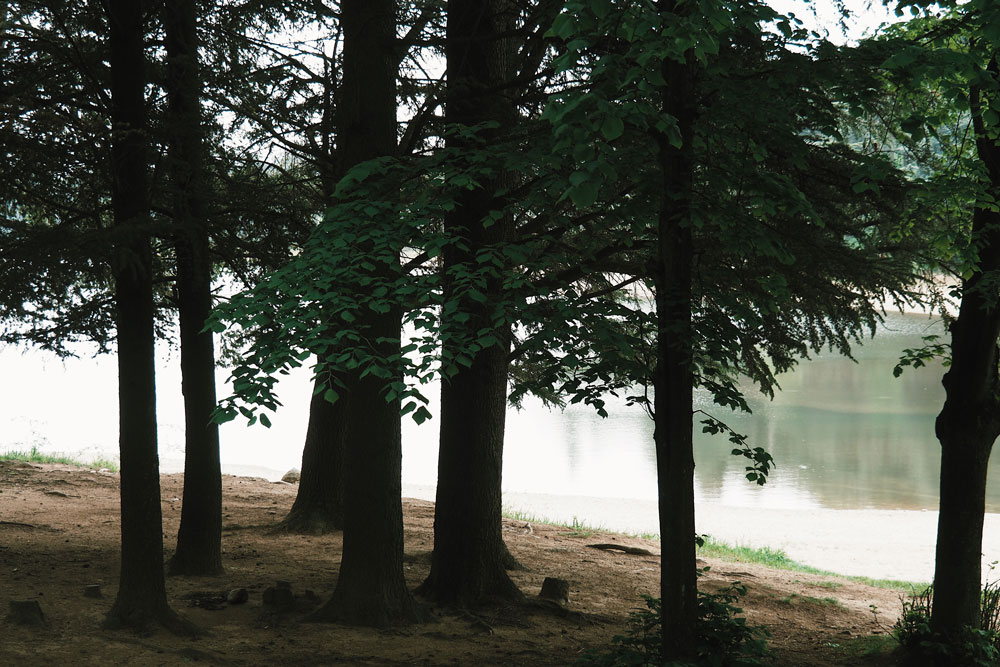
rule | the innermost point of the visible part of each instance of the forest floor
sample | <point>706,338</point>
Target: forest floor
<point>59,532</point>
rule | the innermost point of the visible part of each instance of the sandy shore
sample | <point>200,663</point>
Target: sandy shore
<point>890,544</point>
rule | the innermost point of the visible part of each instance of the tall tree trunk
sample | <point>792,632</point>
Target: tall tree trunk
<point>199,540</point>
<point>319,503</point>
<point>142,594</point>
<point>674,379</point>
<point>468,566</point>
<point>370,587</point>
<point>969,422</point>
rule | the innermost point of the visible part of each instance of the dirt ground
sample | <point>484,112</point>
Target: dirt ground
<point>59,532</point>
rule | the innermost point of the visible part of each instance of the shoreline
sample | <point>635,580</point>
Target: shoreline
<point>876,543</point>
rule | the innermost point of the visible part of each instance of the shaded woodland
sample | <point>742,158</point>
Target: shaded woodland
<point>568,199</point>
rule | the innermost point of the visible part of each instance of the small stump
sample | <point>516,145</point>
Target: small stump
<point>237,596</point>
<point>279,597</point>
<point>26,612</point>
<point>555,589</point>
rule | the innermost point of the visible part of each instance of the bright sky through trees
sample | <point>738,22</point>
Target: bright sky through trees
<point>826,16</point>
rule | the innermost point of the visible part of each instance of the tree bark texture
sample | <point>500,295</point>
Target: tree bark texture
<point>969,422</point>
<point>141,595</point>
<point>199,540</point>
<point>370,586</point>
<point>319,503</point>
<point>468,566</point>
<point>674,378</point>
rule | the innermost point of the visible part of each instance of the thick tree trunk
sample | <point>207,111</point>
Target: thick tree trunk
<point>969,422</point>
<point>674,379</point>
<point>370,587</point>
<point>199,540</point>
<point>468,566</point>
<point>319,504</point>
<point>142,594</point>
<point>958,559</point>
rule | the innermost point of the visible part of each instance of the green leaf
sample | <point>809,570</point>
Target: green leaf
<point>612,127</point>
<point>584,194</point>
<point>421,415</point>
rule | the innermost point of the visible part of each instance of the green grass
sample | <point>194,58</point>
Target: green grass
<point>865,646</point>
<point>778,559</point>
<point>35,456</point>
<point>766,556</point>
<point>576,529</point>
<point>822,602</point>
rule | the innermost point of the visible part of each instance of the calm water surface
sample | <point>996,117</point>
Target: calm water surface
<point>844,434</point>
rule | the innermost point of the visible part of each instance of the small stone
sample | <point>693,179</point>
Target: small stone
<point>237,596</point>
<point>92,591</point>
<point>555,589</point>
<point>280,583</point>
<point>280,598</point>
<point>292,476</point>
<point>26,612</point>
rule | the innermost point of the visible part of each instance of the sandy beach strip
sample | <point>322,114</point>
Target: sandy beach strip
<point>882,544</point>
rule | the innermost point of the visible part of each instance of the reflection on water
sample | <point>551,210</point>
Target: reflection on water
<point>844,434</point>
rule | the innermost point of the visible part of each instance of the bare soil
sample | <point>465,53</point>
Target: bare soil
<point>59,532</point>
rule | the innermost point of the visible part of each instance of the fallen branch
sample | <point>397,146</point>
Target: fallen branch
<point>631,551</point>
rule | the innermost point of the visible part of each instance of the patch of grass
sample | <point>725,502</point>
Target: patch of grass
<point>832,602</point>
<point>866,646</point>
<point>35,456</point>
<point>778,559</point>
<point>577,528</point>
<point>766,556</point>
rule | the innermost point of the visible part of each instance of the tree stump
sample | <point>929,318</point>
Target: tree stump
<point>26,612</point>
<point>555,589</point>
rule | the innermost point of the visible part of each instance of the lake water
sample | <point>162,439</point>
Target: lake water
<point>845,435</point>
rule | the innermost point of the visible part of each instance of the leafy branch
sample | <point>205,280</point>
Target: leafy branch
<point>761,461</point>
<point>921,356</point>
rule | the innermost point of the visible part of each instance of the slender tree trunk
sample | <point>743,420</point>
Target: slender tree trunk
<point>969,422</point>
<point>142,594</point>
<point>468,566</point>
<point>674,379</point>
<point>199,540</point>
<point>370,587</point>
<point>319,503</point>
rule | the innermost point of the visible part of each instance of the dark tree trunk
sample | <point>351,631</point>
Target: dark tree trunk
<point>370,587</point>
<point>142,596</point>
<point>199,540</point>
<point>674,379</point>
<point>319,504</point>
<point>969,422</point>
<point>469,562</point>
